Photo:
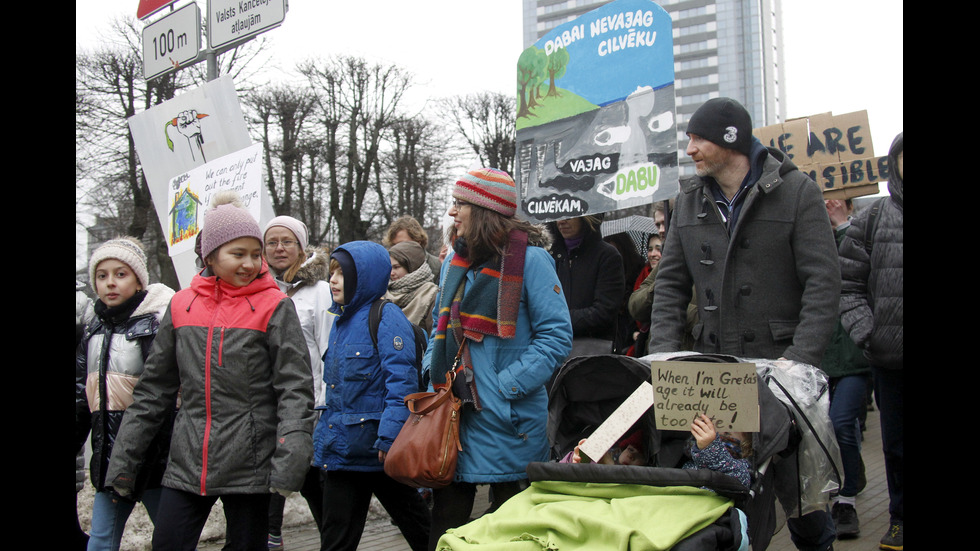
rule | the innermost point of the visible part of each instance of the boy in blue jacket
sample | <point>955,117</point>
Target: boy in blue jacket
<point>364,409</point>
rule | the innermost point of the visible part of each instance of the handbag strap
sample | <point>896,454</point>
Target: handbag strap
<point>442,394</point>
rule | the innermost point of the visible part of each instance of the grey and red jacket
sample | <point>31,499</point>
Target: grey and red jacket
<point>238,358</point>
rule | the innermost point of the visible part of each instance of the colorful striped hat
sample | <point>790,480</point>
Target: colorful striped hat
<point>488,188</point>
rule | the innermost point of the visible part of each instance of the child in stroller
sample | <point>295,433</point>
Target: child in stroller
<point>628,451</point>
<point>723,452</point>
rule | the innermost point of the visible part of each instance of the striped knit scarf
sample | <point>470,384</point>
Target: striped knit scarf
<point>488,307</point>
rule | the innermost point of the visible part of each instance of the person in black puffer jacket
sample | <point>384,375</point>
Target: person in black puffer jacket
<point>871,309</point>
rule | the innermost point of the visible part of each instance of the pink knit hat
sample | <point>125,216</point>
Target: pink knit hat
<point>488,188</point>
<point>226,221</point>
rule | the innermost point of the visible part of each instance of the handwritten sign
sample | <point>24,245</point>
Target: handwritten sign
<point>616,425</point>
<point>191,193</point>
<point>834,150</point>
<point>727,393</point>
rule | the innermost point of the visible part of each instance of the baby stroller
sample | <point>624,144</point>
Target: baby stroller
<point>660,506</point>
<point>587,390</point>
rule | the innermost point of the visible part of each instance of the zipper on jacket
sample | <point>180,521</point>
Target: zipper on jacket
<point>207,388</point>
<point>221,347</point>
<point>109,330</point>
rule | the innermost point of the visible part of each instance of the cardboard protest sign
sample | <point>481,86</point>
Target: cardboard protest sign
<point>728,394</point>
<point>835,151</point>
<point>191,194</point>
<point>595,119</point>
<point>616,425</point>
<point>179,135</point>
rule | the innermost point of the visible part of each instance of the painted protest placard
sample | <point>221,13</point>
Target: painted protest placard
<point>728,394</point>
<point>595,119</point>
<point>834,150</point>
<point>181,134</point>
<point>191,193</point>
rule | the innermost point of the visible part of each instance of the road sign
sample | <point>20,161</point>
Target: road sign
<point>231,21</point>
<point>149,7</point>
<point>172,41</point>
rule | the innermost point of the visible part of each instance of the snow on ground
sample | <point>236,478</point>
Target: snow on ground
<point>139,529</point>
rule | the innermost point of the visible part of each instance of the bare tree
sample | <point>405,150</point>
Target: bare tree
<point>486,121</point>
<point>243,63</point>
<point>358,103</point>
<point>417,164</point>
<point>280,113</point>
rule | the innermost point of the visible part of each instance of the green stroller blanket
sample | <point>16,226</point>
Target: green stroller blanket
<point>556,515</point>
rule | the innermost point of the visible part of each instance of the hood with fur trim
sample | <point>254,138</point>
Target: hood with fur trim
<point>315,268</point>
<point>157,300</point>
<point>542,238</point>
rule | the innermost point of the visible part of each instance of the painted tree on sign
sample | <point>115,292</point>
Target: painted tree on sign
<point>557,63</point>
<point>531,70</point>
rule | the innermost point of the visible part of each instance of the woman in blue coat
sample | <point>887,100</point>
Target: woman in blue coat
<point>364,409</point>
<point>502,298</point>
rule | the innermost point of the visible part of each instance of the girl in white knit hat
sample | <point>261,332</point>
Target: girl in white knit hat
<point>108,364</point>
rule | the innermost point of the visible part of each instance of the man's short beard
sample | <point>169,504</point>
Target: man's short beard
<point>707,169</point>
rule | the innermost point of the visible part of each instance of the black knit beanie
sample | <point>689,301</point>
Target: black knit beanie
<point>724,122</point>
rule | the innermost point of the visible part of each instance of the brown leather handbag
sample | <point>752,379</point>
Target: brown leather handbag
<point>424,453</point>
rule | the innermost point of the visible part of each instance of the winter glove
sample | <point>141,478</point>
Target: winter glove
<point>122,486</point>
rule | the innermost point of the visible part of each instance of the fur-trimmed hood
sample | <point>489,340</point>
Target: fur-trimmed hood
<point>315,268</point>
<point>543,239</point>
<point>156,301</point>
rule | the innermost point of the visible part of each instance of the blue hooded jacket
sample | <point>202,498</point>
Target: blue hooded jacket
<point>364,388</point>
<point>511,377</point>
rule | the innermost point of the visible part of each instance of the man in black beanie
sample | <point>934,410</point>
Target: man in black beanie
<point>750,233</point>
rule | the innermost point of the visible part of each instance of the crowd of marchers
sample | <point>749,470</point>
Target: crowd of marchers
<point>265,376</point>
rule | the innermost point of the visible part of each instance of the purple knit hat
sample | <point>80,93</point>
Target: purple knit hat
<point>488,188</point>
<point>226,221</point>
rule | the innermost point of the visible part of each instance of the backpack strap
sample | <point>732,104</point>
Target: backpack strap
<point>419,336</point>
<point>872,227</point>
<point>374,318</point>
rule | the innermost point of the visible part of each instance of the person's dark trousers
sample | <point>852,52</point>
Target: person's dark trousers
<point>312,492</point>
<point>347,497</point>
<point>182,516</point>
<point>452,505</point>
<point>889,384</point>
<point>847,403</point>
<point>277,504</point>
<point>813,531</point>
